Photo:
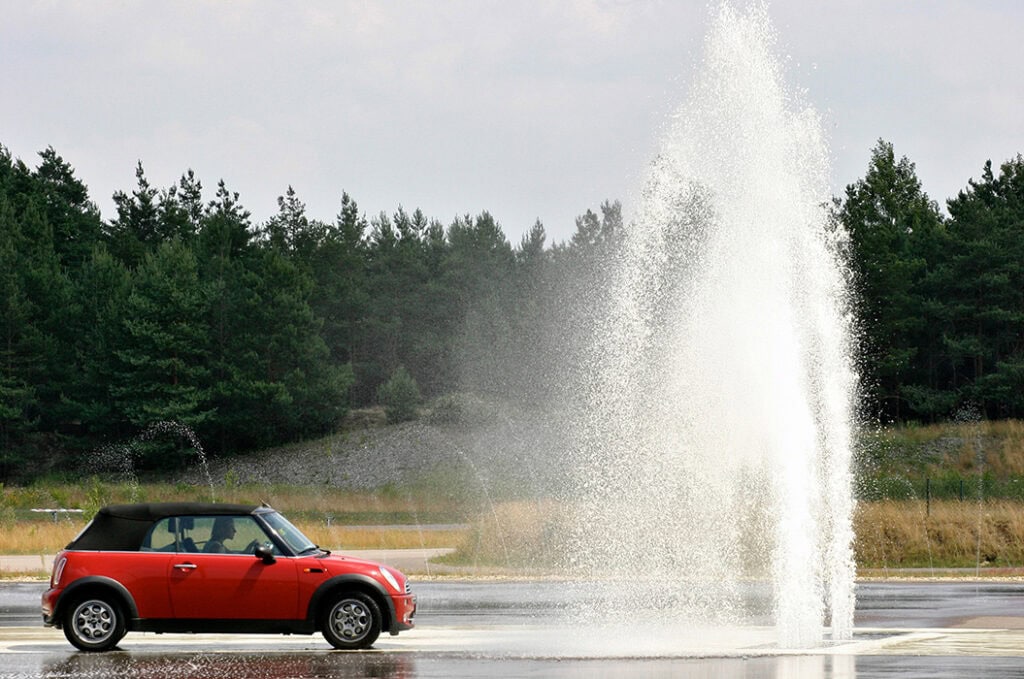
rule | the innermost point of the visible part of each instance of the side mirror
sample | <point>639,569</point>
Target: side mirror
<point>264,553</point>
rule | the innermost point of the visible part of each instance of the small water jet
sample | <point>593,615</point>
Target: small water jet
<point>715,450</point>
<point>121,457</point>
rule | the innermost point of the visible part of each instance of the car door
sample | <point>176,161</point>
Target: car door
<point>144,573</point>
<point>233,584</point>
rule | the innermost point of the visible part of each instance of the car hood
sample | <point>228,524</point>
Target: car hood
<point>351,562</point>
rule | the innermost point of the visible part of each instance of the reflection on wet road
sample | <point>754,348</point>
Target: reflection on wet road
<point>513,629</point>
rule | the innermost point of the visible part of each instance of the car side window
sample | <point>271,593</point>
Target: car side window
<point>229,535</point>
<point>161,537</point>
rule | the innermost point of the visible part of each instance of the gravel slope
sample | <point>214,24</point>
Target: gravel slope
<point>500,451</point>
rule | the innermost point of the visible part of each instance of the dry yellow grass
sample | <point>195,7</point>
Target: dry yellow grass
<point>37,537</point>
<point>284,498</point>
<point>341,538</point>
<point>289,499</point>
<point>890,534</point>
<point>41,537</point>
<point>517,534</point>
<point>893,534</point>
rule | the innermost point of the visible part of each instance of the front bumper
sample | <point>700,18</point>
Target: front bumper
<point>405,609</point>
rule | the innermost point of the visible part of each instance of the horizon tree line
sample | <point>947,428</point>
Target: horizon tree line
<point>182,308</point>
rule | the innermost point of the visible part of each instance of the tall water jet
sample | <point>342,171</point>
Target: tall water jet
<point>715,451</point>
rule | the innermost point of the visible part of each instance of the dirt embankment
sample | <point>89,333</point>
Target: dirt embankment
<point>506,451</point>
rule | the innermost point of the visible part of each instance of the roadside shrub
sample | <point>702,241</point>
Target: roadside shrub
<point>400,396</point>
<point>464,409</point>
<point>446,410</point>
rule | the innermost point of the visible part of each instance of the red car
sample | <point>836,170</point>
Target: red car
<point>202,567</point>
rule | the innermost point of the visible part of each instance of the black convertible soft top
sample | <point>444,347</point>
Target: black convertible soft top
<point>123,527</point>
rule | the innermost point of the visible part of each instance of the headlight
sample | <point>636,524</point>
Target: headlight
<point>390,577</point>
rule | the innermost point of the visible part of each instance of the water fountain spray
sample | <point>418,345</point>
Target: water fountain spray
<point>715,453</point>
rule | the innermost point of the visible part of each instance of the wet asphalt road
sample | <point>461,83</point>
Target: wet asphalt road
<point>508,629</point>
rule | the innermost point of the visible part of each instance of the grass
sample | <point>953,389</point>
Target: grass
<point>286,498</point>
<point>947,495</point>
<point>37,537</point>
<point>46,537</point>
<point>341,538</point>
<point>894,525</point>
<point>513,534</point>
<point>334,519</point>
<point>965,449</point>
<point>890,534</point>
<point>942,534</point>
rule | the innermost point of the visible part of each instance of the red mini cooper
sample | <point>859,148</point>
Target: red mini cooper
<point>190,567</point>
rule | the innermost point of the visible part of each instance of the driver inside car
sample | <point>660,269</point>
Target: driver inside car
<point>223,529</point>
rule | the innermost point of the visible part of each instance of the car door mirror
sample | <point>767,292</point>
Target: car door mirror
<point>264,553</point>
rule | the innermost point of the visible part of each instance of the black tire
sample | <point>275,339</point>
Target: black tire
<point>94,623</point>
<point>352,622</point>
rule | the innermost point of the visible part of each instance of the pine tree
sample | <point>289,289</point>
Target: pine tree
<point>18,400</point>
<point>96,330</point>
<point>137,229</point>
<point>74,219</point>
<point>479,275</point>
<point>161,372</point>
<point>894,229</point>
<point>982,286</point>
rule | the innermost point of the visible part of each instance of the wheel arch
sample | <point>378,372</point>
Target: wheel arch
<point>354,582</point>
<point>95,585</point>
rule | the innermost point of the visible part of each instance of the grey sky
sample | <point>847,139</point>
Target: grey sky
<point>526,109</point>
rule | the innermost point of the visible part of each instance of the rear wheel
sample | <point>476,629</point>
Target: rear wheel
<point>94,624</point>
<point>352,622</point>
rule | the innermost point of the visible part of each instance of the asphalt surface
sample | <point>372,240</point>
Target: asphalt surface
<point>516,629</point>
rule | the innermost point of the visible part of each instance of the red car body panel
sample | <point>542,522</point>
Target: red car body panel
<point>226,586</point>
<point>144,574</point>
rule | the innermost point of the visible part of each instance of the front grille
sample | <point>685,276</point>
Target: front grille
<point>408,587</point>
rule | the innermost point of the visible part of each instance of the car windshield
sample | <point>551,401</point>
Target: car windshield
<point>292,536</point>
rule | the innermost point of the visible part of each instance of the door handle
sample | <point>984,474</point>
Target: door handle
<point>186,566</point>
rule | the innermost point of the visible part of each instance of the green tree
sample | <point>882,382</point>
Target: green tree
<point>536,308</point>
<point>400,396</point>
<point>75,219</point>
<point>180,210</point>
<point>397,278</point>
<point>44,287</point>
<point>294,358</point>
<point>895,230</point>
<point>19,357</point>
<point>982,287</point>
<point>339,267</point>
<point>138,227</point>
<point>479,274</point>
<point>290,230</point>
<point>161,372</point>
<point>273,380</point>
<point>96,330</point>
<point>227,259</point>
<point>340,297</point>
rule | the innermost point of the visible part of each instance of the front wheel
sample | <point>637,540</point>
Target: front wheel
<point>353,622</point>
<point>94,624</point>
